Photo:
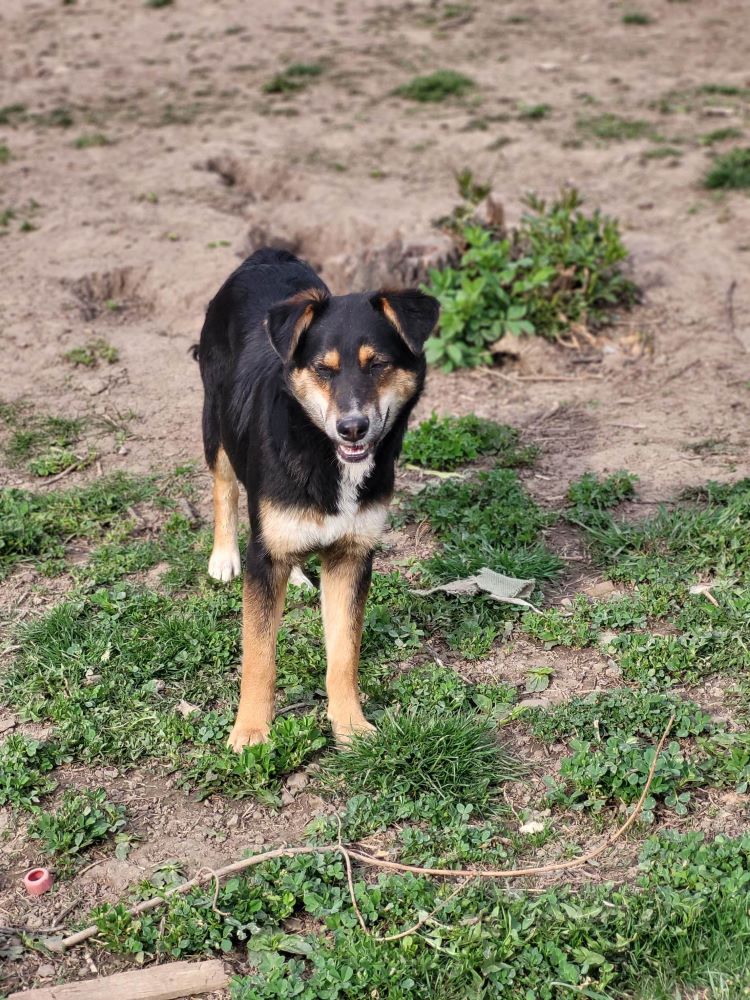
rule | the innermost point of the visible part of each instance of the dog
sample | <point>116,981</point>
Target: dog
<point>307,398</point>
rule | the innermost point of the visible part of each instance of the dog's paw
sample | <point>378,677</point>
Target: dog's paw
<point>241,737</point>
<point>224,564</point>
<point>344,731</point>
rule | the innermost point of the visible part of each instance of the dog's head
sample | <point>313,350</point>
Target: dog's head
<point>353,362</point>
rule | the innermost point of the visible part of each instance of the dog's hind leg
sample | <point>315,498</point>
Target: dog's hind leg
<point>224,563</point>
<point>345,581</point>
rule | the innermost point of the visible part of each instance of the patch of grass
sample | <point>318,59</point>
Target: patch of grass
<point>614,128</point>
<point>730,170</point>
<point>293,78</point>
<point>81,820</point>
<point>591,497</point>
<point>488,520</point>
<point>5,155</point>
<point>534,112</point>
<point>636,17</point>
<point>720,135</point>
<point>258,770</point>
<point>436,87</point>
<point>38,526</point>
<point>724,90</point>
<point>25,766</point>
<point>91,139</point>
<point>32,433</point>
<point>456,758</point>
<point>57,460</point>
<point>445,443</point>
<point>600,941</point>
<point>98,350</point>
<point>12,114</point>
<point>620,712</point>
<point>156,4</point>
<point>662,153</point>
<point>559,266</point>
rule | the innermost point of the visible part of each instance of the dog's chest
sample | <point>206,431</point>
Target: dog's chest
<point>293,531</point>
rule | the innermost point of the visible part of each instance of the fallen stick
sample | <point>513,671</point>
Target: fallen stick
<point>348,853</point>
<point>158,982</point>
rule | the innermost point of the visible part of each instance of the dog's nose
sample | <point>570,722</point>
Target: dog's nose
<point>354,427</point>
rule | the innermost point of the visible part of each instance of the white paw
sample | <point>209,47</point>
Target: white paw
<point>224,564</point>
<point>298,579</point>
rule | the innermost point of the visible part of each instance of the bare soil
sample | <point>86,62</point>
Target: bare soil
<point>132,238</point>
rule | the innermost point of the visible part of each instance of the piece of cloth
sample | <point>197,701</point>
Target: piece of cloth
<point>508,589</point>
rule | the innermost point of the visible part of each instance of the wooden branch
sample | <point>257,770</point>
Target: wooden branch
<point>157,982</point>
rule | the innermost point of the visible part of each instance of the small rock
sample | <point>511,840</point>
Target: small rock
<point>123,450</point>
<point>159,686</point>
<point>233,820</point>
<point>186,709</point>
<point>532,703</point>
<point>45,971</point>
<point>286,797</point>
<point>297,781</point>
<point>96,386</point>
<point>533,826</point>
<point>566,602</point>
<point>602,589</point>
<point>91,680</point>
<point>607,638</point>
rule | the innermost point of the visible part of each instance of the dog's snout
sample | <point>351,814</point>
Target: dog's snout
<point>353,427</point>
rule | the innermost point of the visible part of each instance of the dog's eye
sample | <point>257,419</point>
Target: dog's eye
<point>379,366</point>
<point>325,371</point>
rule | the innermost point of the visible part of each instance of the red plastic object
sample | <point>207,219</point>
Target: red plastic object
<point>37,881</point>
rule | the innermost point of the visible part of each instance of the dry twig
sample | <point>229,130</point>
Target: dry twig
<point>348,853</point>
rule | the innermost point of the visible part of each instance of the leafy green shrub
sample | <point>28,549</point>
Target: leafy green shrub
<point>445,443</point>
<point>81,819</point>
<point>559,267</point>
<point>454,757</point>
<point>617,769</point>
<point>438,86</point>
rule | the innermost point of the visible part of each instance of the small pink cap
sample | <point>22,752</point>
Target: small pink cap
<point>37,881</point>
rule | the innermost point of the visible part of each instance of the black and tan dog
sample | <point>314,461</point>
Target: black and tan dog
<point>307,396</point>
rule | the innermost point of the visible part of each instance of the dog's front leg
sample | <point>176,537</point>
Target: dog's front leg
<point>263,602</point>
<point>345,581</point>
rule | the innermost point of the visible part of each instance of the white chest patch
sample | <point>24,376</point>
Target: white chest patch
<point>292,531</point>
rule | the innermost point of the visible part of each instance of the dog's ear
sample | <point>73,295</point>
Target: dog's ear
<point>411,313</point>
<point>288,321</point>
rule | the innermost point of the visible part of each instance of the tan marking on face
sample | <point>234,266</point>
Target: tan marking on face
<point>331,359</point>
<point>400,384</point>
<point>301,326</point>
<point>313,393</point>
<point>366,353</point>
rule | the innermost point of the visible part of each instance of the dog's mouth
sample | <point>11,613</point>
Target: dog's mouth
<point>352,452</point>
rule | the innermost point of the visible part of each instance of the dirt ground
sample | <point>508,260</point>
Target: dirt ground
<point>202,166</point>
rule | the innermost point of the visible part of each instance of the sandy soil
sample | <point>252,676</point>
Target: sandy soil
<point>202,166</point>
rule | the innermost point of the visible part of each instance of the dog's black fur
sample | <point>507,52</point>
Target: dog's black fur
<point>291,375</point>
